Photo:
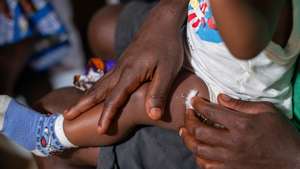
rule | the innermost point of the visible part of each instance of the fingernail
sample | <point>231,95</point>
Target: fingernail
<point>155,113</point>
<point>66,111</point>
<point>180,132</point>
<point>225,97</point>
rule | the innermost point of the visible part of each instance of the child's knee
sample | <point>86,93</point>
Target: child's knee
<point>58,100</point>
<point>101,31</point>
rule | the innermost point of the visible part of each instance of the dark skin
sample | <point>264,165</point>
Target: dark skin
<point>213,147</point>
<point>256,136</point>
<point>257,23</point>
<point>101,31</point>
<point>248,119</point>
<point>280,35</point>
<point>133,114</point>
<point>282,39</point>
<point>149,58</point>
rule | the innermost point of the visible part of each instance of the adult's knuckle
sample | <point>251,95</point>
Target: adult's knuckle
<point>111,102</point>
<point>210,166</point>
<point>237,103</point>
<point>139,95</point>
<point>241,143</point>
<point>159,98</point>
<point>94,99</point>
<point>206,166</point>
<point>236,141</point>
<point>200,163</point>
<point>194,148</point>
<point>268,106</point>
<point>199,150</point>
<point>198,132</point>
<point>98,95</point>
<point>241,124</point>
<point>204,108</point>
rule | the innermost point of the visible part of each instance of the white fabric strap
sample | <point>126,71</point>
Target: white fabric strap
<point>4,102</point>
<point>60,133</point>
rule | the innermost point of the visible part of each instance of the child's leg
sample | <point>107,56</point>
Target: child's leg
<point>74,158</point>
<point>44,134</point>
<point>83,130</point>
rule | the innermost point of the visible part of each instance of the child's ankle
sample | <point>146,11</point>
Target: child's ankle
<point>4,102</point>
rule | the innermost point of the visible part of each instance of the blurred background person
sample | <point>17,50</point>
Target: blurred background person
<point>40,48</point>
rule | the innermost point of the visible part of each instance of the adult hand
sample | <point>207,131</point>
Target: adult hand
<point>155,56</point>
<point>256,136</point>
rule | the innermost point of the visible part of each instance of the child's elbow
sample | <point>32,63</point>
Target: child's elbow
<point>246,52</point>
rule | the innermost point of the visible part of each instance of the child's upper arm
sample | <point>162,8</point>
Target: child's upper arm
<point>247,26</point>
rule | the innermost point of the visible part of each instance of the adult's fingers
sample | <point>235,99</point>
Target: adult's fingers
<point>214,112</point>
<point>204,133</point>
<point>93,97</point>
<point>200,149</point>
<point>85,103</point>
<point>245,106</point>
<point>157,94</point>
<point>117,98</point>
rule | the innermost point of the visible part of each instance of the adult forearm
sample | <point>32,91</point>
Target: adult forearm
<point>243,24</point>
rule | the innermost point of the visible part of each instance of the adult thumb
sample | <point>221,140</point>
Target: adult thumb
<point>238,105</point>
<point>157,95</point>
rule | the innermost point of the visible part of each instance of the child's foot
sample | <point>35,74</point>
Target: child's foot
<point>37,133</point>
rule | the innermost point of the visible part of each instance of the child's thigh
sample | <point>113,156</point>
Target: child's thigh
<point>58,100</point>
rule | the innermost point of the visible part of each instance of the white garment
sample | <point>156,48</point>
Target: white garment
<point>267,77</point>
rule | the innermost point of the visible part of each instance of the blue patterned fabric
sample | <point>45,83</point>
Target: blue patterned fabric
<point>32,130</point>
<point>42,23</point>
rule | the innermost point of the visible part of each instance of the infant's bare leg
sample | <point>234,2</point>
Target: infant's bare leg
<point>83,130</point>
<point>56,102</point>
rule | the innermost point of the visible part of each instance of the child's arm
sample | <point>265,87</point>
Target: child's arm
<point>246,26</point>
